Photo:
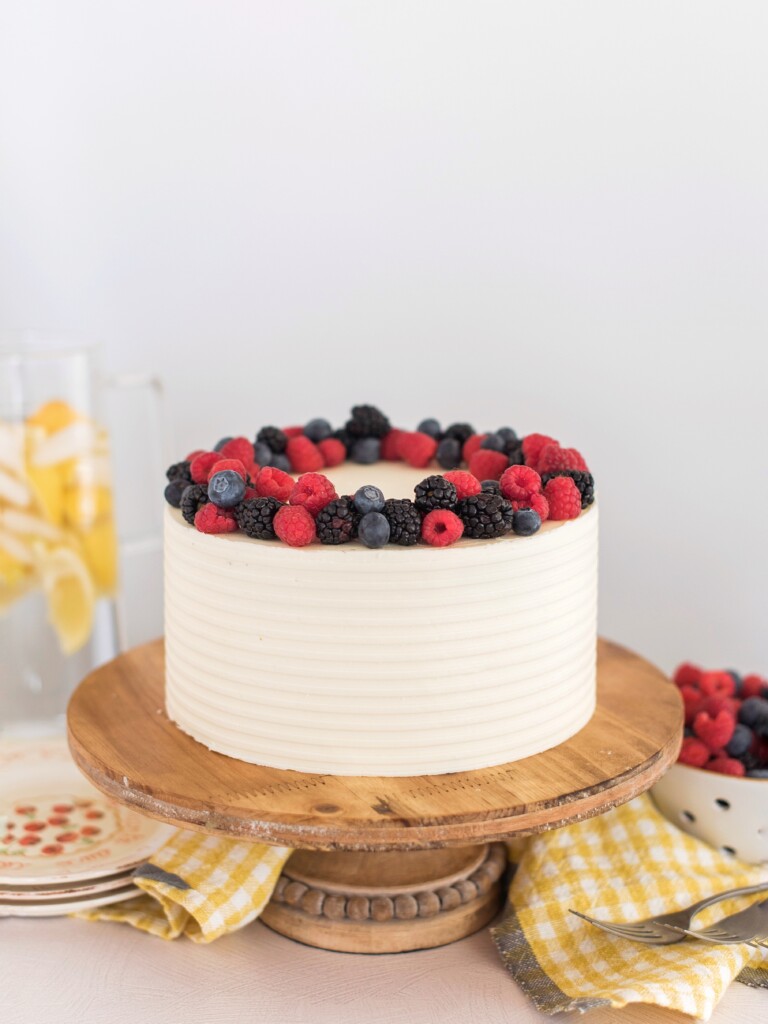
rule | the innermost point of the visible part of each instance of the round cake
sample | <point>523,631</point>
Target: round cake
<point>384,618</point>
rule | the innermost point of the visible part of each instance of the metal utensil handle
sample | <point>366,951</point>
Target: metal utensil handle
<point>745,890</point>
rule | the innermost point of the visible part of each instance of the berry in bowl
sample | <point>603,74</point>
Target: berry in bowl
<point>717,790</point>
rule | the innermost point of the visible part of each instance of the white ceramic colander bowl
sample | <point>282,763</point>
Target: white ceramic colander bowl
<point>727,812</point>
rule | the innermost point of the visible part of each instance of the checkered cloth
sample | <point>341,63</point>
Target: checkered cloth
<point>199,886</point>
<point>625,865</point>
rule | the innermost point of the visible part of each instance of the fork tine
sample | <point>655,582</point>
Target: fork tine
<point>637,931</point>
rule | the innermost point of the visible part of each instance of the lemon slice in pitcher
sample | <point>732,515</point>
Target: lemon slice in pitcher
<point>70,593</point>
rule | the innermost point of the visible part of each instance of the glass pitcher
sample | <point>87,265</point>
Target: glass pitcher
<point>58,540</point>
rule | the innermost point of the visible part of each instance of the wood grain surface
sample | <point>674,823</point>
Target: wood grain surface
<point>125,744</point>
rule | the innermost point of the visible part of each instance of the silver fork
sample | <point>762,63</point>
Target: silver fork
<point>665,929</point>
<point>750,925</point>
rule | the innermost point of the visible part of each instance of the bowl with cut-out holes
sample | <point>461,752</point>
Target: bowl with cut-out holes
<point>727,811</point>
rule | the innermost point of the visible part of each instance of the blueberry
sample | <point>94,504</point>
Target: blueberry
<point>449,453</point>
<point>226,488</point>
<point>753,711</point>
<point>373,530</point>
<point>507,434</point>
<point>740,742</point>
<point>281,462</point>
<point>366,450</point>
<point>491,486</point>
<point>262,454</point>
<point>369,499</point>
<point>174,491</point>
<point>493,442</point>
<point>431,427</point>
<point>222,442</point>
<point>757,773</point>
<point>318,430</point>
<point>525,522</point>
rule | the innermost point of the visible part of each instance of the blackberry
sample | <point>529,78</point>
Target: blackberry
<point>584,481</point>
<point>460,431</point>
<point>485,515</point>
<point>178,471</point>
<point>434,492</point>
<point>345,437</point>
<point>367,421</point>
<point>337,522</point>
<point>404,521</point>
<point>491,486</point>
<point>256,517</point>
<point>514,452</point>
<point>192,500</point>
<point>274,438</point>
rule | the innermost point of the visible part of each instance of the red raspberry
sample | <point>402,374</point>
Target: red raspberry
<point>693,752</point>
<point>538,503</point>
<point>212,519</point>
<point>234,464</point>
<point>200,466</point>
<point>274,483</point>
<point>304,455</point>
<point>390,445</point>
<point>532,446</point>
<point>715,731</point>
<point>250,492</point>
<point>753,686</point>
<point>726,766</point>
<point>472,445</point>
<point>416,449</point>
<point>552,458</point>
<point>293,432</point>
<point>465,483</point>
<point>313,491</point>
<point>488,465</point>
<point>563,497</point>
<point>294,525</point>
<point>193,455</point>
<point>238,448</point>
<point>691,702</point>
<point>719,684</point>
<point>713,705</point>
<point>687,674</point>
<point>518,483</point>
<point>441,527</point>
<point>333,451</point>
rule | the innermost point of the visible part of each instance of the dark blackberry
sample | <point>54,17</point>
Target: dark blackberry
<point>434,492</point>
<point>404,521</point>
<point>345,437</point>
<point>367,421</point>
<point>491,486</point>
<point>514,452</point>
<point>192,500</point>
<point>256,516</point>
<point>337,522</point>
<point>460,431</point>
<point>584,481</point>
<point>178,471</point>
<point>274,438</point>
<point>485,515</point>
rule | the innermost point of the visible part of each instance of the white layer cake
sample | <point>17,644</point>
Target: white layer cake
<point>396,661</point>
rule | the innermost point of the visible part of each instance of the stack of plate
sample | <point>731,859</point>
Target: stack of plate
<point>64,846</point>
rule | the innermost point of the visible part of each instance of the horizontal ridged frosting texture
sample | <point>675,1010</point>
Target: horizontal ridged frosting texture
<point>398,661</point>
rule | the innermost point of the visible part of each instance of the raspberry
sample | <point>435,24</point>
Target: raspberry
<point>200,466</point>
<point>563,497</point>
<point>715,732</point>
<point>294,525</point>
<point>537,502</point>
<point>519,483</point>
<point>234,464</point>
<point>333,451</point>
<point>726,766</point>
<point>753,686</point>
<point>238,448</point>
<point>488,465</point>
<point>389,445</point>
<point>584,481</point>
<point>687,674</point>
<point>304,455</point>
<point>693,752</point>
<point>274,483</point>
<point>532,447</point>
<point>720,684</point>
<point>313,491</point>
<point>465,483</point>
<point>441,527</point>
<point>713,705</point>
<point>290,432</point>
<point>691,702</point>
<point>472,445</point>
<point>552,458</point>
<point>194,454</point>
<point>416,449</point>
<point>211,519</point>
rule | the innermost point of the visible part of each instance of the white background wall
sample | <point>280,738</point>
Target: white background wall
<point>550,215</point>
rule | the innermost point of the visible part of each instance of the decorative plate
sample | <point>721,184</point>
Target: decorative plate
<point>53,908</point>
<point>63,890</point>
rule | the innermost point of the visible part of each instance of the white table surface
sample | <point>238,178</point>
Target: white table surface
<point>80,972</point>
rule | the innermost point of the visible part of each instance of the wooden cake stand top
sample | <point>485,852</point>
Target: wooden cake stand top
<point>125,744</point>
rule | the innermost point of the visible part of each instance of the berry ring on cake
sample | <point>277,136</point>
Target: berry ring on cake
<point>375,601</point>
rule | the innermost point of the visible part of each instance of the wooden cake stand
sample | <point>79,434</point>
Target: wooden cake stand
<point>383,864</point>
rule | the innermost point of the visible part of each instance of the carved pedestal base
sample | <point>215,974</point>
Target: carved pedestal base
<point>387,902</point>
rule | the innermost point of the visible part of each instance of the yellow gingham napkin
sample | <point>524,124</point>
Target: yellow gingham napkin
<point>199,886</point>
<point>625,865</point>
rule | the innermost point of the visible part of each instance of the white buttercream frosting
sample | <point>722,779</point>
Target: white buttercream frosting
<point>397,661</point>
